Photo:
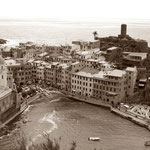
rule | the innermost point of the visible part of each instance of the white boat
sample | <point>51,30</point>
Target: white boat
<point>25,120</point>
<point>94,139</point>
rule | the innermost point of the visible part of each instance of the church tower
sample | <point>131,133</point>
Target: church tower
<point>3,73</point>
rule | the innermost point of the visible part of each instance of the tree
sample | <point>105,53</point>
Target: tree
<point>48,144</point>
<point>19,89</point>
<point>97,38</point>
<point>95,35</point>
<point>24,94</point>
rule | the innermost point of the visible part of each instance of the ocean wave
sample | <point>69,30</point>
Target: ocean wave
<point>50,118</point>
<point>55,100</point>
<point>12,43</point>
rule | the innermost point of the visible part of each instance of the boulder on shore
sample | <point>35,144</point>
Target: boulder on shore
<point>2,41</point>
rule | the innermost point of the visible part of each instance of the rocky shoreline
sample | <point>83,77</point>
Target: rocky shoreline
<point>6,130</point>
<point>136,120</point>
<point>2,41</point>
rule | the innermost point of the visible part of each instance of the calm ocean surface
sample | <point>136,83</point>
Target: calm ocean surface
<point>76,121</point>
<point>61,32</point>
<point>73,120</point>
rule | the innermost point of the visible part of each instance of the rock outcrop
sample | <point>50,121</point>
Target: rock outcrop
<point>2,41</point>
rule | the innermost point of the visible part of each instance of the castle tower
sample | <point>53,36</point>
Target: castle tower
<point>123,30</point>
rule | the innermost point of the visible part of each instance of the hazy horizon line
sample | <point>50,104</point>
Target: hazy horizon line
<point>81,19</point>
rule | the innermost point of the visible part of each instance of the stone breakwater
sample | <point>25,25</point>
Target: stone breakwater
<point>137,120</point>
<point>142,122</point>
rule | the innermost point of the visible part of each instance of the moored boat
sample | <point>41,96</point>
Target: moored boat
<point>94,139</point>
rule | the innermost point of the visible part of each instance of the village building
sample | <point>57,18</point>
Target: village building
<point>19,72</point>
<point>82,82</point>
<point>53,49</point>
<point>84,54</point>
<point>40,74</point>
<point>29,54</point>
<point>109,86</point>
<point>50,74</point>
<point>38,70</point>
<point>6,51</point>
<point>112,53</point>
<point>131,79</point>
<point>9,98</point>
<point>134,59</point>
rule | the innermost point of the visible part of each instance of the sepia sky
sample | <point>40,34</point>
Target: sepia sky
<point>74,9</point>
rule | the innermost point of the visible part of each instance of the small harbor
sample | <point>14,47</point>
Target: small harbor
<point>89,94</point>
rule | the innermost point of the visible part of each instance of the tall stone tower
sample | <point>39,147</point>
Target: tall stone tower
<point>123,30</point>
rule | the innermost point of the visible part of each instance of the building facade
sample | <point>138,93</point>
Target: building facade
<point>9,99</point>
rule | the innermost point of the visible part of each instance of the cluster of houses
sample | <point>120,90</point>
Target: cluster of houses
<point>80,68</point>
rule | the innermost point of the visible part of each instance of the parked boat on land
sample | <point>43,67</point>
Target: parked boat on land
<point>147,143</point>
